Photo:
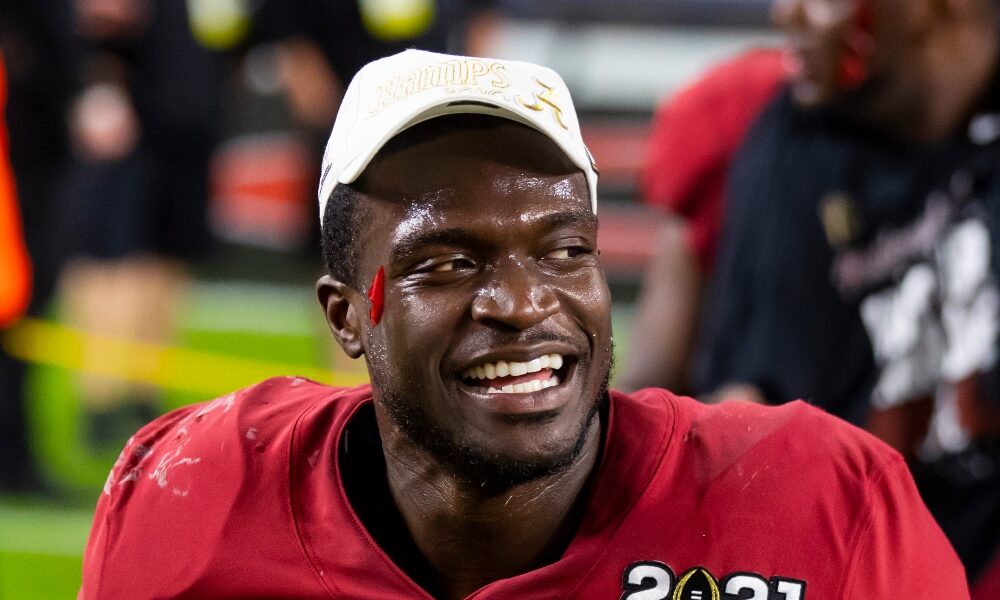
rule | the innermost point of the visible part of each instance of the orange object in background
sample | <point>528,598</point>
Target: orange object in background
<point>15,267</point>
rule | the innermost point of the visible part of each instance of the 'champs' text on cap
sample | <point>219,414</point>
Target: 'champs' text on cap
<point>399,91</point>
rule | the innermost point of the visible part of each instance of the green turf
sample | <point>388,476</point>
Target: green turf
<point>41,549</point>
<point>31,576</point>
<point>239,320</point>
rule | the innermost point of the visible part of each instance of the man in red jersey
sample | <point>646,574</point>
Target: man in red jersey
<point>488,458</point>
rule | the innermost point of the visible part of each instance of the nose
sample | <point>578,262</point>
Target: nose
<point>786,14</point>
<point>515,297</point>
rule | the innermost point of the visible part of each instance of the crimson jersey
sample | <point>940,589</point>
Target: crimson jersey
<point>242,497</point>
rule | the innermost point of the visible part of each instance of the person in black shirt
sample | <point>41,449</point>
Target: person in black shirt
<point>858,259</point>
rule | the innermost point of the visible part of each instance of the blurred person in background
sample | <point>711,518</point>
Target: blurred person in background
<point>39,57</point>
<point>300,53</point>
<point>691,144</point>
<point>323,44</point>
<point>142,128</point>
<point>858,257</point>
<point>351,33</point>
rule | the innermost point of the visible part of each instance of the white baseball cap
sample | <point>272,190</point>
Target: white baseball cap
<point>399,91</point>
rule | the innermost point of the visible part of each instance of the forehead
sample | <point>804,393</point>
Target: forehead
<point>483,170</point>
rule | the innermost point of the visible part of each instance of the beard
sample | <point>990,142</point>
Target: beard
<point>474,465</point>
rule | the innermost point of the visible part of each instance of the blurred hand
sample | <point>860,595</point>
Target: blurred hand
<point>112,19</point>
<point>314,91</point>
<point>482,32</point>
<point>103,124</point>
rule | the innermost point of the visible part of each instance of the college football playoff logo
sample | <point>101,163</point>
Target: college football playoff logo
<point>653,580</point>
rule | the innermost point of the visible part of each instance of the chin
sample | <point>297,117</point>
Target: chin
<point>807,94</point>
<point>498,467</point>
<point>514,451</point>
<point>496,450</point>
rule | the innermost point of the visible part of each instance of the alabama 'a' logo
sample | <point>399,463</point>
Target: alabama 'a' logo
<point>653,580</point>
<point>547,98</point>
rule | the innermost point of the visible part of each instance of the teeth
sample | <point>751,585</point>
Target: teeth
<point>502,368</point>
<point>527,387</point>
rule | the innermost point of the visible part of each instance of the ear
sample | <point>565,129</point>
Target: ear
<point>344,309</point>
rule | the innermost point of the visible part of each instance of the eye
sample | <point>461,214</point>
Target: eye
<point>567,252</point>
<point>447,265</point>
<point>444,267</point>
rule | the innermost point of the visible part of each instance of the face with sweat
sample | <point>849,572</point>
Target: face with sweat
<point>494,346</point>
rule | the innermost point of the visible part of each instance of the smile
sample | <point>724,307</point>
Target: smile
<point>512,377</point>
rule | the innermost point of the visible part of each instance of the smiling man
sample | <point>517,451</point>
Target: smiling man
<point>488,458</point>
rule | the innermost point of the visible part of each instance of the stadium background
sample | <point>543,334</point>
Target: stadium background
<point>251,312</point>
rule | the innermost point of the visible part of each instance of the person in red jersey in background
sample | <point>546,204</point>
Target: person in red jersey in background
<point>15,266</point>
<point>693,139</point>
<point>488,458</point>
<point>857,263</point>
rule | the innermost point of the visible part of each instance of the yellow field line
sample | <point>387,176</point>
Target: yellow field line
<point>170,367</point>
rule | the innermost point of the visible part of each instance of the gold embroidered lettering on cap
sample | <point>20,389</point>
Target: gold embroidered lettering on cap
<point>547,97</point>
<point>476,68</point>
<point>453,74</point>
<point>411,86</point>
<point>500,78</point>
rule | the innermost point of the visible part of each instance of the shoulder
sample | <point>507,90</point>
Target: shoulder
<point>754,77</point>
<point>181,480</point>
<point>756,73</point>
<point>787,491</point>
<point>795,435</point>
<point>257,420</point>
<point>797,431</point>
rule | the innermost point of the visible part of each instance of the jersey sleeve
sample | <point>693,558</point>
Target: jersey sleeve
<point>901,551</point>
<point>128,468</point>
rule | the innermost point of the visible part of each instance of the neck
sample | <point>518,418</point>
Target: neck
<point>469,535</point>
<point>954,93</point>
<point>959,67</point>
